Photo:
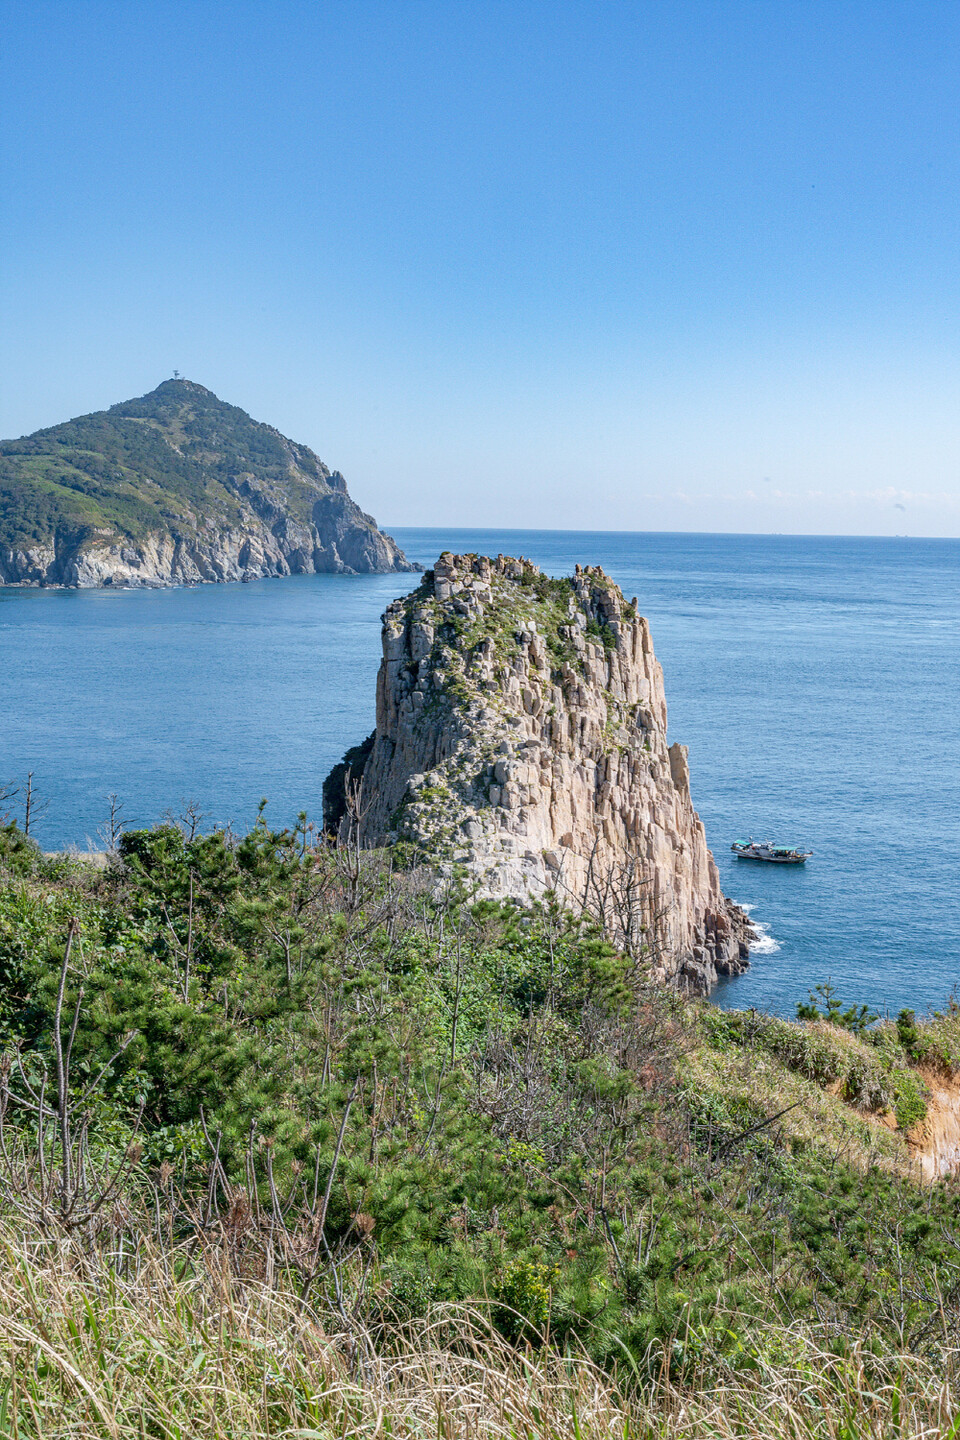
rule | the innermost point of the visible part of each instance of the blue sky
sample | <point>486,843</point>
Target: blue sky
<point>655,265</point>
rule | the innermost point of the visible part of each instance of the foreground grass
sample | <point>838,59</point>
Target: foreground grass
<point>291,1146</point>
<point>132,1349</point>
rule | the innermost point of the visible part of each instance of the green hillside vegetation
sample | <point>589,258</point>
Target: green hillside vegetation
<point>166,461</point>
<point>426,1103</point>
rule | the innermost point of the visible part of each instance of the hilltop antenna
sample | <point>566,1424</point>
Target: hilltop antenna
<point>176,374</point>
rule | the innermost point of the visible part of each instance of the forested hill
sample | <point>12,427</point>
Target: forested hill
<point>176,486</point>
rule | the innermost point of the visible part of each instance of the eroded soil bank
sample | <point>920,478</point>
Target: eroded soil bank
<point>935,1141</point>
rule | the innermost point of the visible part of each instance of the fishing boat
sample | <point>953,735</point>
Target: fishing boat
<point>764,850</point>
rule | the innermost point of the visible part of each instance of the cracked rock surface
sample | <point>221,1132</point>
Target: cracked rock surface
<point>522,737</point>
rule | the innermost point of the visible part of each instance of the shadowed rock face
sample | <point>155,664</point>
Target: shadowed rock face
<point>521,734</point>
<point>176,487</point>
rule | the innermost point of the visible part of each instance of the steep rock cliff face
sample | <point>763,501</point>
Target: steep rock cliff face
<point>176,487</point>
<point>344,541</point>
<point>521,734</point>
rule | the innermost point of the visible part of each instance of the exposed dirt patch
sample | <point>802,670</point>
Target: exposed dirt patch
<point>935,1141</point>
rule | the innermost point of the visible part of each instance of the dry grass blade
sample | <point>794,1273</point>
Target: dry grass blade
<point>93,1353</point>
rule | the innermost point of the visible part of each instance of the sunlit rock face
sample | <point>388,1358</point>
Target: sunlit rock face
<point>522,739</point>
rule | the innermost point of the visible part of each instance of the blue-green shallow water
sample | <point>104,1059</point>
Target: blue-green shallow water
<point>816,681</point>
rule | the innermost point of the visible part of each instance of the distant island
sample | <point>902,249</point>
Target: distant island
<point>177,487</point>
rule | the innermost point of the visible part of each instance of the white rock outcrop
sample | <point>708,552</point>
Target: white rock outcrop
<point>522,735</point>
<point>334,544</point>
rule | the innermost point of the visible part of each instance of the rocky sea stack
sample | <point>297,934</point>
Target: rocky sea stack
<point>521,735</point>
<point>175,488</point>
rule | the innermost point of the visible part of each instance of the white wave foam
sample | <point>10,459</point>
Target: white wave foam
<point>764,944</point>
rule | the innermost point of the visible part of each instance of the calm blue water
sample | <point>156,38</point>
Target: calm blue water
<point>816,681</point>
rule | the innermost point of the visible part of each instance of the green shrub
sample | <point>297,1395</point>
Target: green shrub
<point>856,1019</point>
<point>524,1292</point>
<point>909,1098</point>
<point>19,853</point>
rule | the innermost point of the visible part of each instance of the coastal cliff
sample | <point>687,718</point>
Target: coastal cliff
<point>177,487</point>
<point>522,735</point>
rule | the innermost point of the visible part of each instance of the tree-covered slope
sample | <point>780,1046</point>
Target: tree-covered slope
<point>168,487</point>
<point>395,1101</point>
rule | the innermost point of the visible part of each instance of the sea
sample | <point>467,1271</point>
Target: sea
<point>816,682</point>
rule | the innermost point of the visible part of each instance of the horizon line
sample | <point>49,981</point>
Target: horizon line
<point>732,534</point>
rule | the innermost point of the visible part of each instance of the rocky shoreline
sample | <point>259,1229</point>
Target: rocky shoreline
<point>345,544</point>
